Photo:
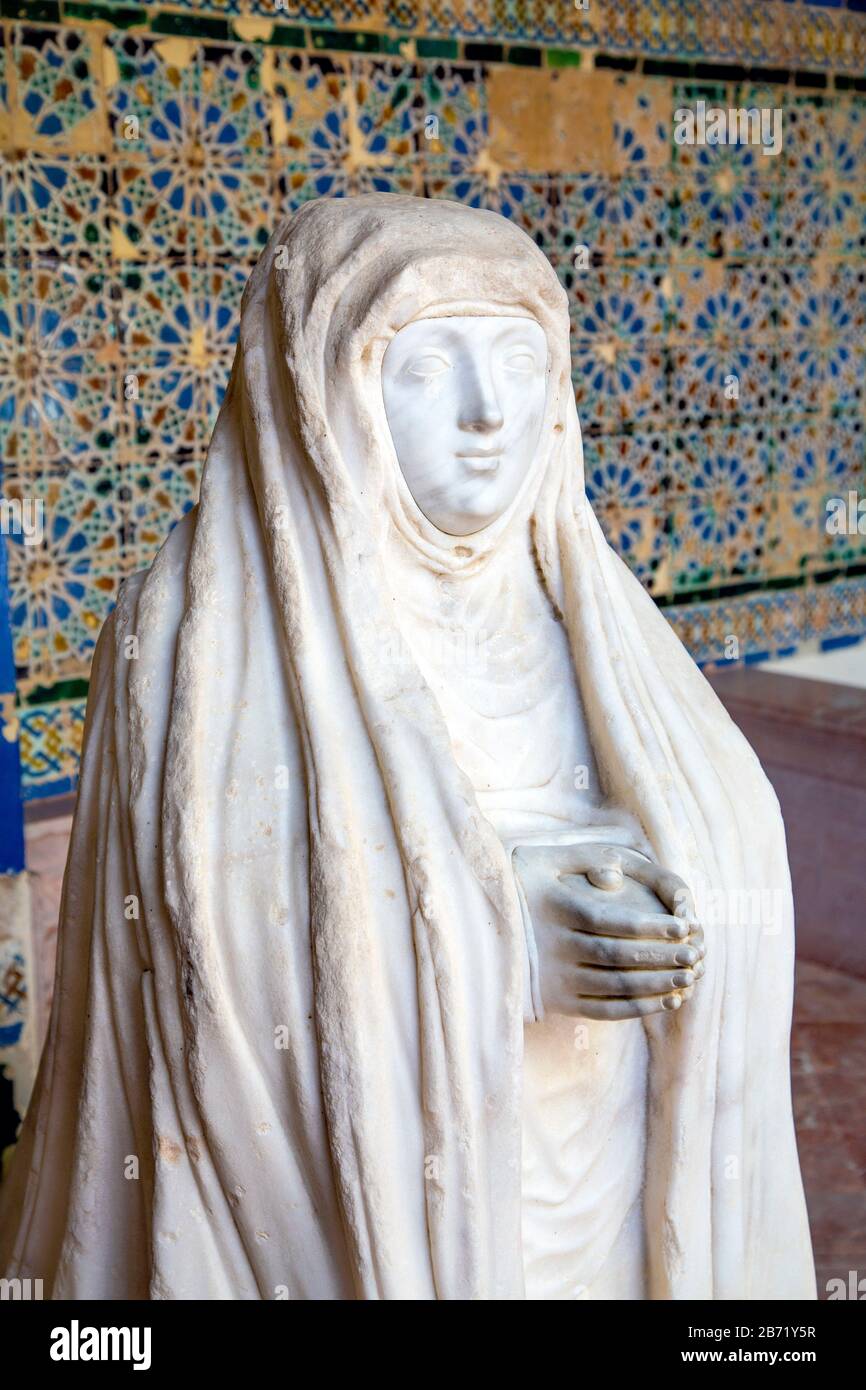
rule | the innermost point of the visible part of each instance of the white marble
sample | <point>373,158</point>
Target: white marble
<point>392,958</point>
<point>464,399</point>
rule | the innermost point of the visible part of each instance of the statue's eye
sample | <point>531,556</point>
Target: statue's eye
<point>430,365</point>
<point>521,360</point>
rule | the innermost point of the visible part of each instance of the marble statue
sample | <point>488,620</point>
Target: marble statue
<point>385,970</point>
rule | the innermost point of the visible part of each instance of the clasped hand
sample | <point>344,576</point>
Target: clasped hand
<point>606,948</point>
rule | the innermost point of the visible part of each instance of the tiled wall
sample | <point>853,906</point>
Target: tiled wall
<point>147,153</point>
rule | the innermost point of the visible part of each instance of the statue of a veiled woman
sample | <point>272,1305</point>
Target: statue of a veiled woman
<point>384,971</point>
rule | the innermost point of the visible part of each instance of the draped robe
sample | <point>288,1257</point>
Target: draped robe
<point>286,1052</point>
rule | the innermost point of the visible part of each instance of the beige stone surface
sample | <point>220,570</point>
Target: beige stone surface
<point>550,121</point>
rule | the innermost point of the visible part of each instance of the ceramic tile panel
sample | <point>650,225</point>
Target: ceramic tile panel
<point>717,294</point>
<point>50,741</point>
<point>62,589</point>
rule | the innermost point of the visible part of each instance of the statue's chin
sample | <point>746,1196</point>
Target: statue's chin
<point>465,526</point>
<point>467,522</point>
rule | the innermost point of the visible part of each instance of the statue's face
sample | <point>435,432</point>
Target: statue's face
<point>464,399</point>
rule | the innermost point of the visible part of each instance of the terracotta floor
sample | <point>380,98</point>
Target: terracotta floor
<point>828,1054</point>
<point>828,1065</point>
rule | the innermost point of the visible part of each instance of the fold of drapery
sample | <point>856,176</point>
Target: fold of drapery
<point>290,984</point>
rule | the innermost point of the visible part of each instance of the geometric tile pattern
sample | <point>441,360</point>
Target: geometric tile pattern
<point>143,164</point>
<point>51,735</point>
<point>771,623</point>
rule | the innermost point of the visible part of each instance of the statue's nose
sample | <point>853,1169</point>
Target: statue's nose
<point>480,410</point>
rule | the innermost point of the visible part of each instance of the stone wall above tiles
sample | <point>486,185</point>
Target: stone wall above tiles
<point>145,154</point>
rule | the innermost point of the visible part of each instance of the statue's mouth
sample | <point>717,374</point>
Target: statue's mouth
<point>481,460</point>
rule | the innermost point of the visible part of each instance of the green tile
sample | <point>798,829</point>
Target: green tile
<point>41,11</point>
<point>63,690</point>
<point>438,48</point>
<point>562,58</point>
<point>121,18</point>
<point>347,41</point>
<point>483,52</point>
<point>288,36</point>
<point>524,57</point>
<point>189,26</point>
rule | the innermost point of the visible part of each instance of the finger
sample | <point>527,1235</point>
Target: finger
<point>696,938</point>
<point>619,920</point>
<point>614,918</point>
<point>612,950</point>
<point>612,1009</point>
<point>629,984</point>
<point>667,885</point>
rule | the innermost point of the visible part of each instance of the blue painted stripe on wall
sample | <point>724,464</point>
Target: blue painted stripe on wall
<point>60,786</point>
<point>11,808</point>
